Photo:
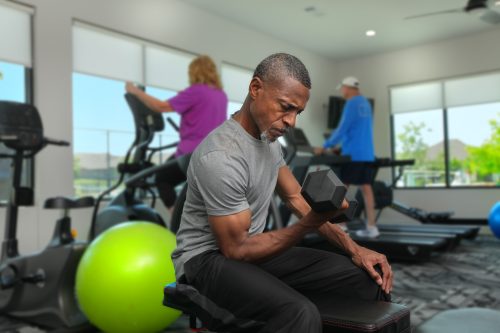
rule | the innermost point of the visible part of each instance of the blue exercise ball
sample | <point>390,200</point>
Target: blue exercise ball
<point>494,219</point>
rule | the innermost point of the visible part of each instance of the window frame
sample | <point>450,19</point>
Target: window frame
<point>446,151</point>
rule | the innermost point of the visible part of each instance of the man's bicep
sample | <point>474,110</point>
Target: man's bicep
<point>230,231</point>
<point>287,185</point>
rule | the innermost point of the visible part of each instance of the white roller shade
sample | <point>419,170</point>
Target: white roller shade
<point>15,34</point>
<point>418,97</point>
<point>235,81</point>
<point>105,54</point>
<point>167,68</point>
<point>473,90</point>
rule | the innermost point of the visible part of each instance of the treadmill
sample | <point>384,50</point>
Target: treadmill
<point>433,222</point>
<point>409,247</point>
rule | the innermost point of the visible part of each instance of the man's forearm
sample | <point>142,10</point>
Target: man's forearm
<point>336,235</point>
<point>264,245</point>
<point>331,231</point>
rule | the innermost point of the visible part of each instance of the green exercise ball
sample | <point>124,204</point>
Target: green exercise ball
<point>120,279</point>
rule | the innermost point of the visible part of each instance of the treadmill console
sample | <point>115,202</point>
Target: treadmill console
<point>295,137</point>
<point>20,126</point>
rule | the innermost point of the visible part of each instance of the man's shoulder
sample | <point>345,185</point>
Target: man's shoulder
<point>220,144</point>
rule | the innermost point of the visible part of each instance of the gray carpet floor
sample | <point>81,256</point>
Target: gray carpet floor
<point>467,277</point>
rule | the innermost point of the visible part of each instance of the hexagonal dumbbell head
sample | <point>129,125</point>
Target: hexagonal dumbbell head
<point>323,191</point>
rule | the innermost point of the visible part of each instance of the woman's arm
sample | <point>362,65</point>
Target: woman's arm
<point>151,102</point>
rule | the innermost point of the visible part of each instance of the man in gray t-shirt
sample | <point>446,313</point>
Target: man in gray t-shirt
<point>259,281</point>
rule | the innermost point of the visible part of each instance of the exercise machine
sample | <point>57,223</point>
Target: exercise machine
<point>408,246</point>
<point>38,287</point>
<point>433,223</point>
<point>129,204</point>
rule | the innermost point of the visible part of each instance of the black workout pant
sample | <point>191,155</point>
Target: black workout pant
<point>166,182</point>
<point>272,296</point>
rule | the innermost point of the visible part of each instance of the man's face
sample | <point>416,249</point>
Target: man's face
<point>275,105</point>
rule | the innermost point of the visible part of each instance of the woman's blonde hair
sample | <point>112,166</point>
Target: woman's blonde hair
<point>203,70</point>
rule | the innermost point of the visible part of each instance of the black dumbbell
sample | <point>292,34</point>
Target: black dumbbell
<point>350,212</point>
<point>324,192</point>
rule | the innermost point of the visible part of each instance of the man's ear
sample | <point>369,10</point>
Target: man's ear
<point>256,86</point>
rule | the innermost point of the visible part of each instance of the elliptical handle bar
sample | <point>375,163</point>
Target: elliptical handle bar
<point>173,124</point>
<point>49,141</point>
<point>169,146</point>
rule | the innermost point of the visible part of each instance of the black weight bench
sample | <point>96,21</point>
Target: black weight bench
<point>339,316</point>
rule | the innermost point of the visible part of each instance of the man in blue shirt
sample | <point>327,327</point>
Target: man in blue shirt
<point>355,134</point>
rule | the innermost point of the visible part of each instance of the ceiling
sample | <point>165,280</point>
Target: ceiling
<point>336,28</point>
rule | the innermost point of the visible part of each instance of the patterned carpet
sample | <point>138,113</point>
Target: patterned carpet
<point>469,276</point>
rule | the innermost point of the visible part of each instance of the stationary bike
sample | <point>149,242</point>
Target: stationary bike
<point>38,288</point>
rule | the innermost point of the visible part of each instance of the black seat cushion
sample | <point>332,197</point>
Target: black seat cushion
<point>68,203</point>
<point>339,315</point>
<point>470,320</point>
<point>352,315</point>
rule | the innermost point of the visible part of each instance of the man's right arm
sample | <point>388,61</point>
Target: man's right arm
<point>344,124</point>
<point>221,180</point>
<point>234,241</point>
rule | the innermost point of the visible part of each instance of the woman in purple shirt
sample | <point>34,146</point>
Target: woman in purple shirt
<point>202,106</point>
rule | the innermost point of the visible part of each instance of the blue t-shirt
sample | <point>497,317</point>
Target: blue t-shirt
<point>355,131</point>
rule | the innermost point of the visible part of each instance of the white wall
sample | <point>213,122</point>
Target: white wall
<point>466,55</point>
<point>169,22</point>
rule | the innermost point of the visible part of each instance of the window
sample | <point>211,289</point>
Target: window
<point>235,80</point>
<point>103,127</point>
<point>419,136</point>
<point>474,145</point>
<point>452,131</point>
<point>233,107</point>
<point>15,76</point>
<point>103,130</point>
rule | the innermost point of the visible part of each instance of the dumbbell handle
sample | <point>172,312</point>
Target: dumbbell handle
<point>346,215</point>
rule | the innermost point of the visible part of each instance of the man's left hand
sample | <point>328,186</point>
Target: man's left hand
<point>368,259</point>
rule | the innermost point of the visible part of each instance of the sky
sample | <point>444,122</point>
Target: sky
<point>101,116</point>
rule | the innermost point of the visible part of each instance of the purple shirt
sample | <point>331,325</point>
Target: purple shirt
<point>202,109</point>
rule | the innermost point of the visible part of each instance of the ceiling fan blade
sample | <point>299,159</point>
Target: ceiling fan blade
<point>450,11</point>
<point>491,17</point>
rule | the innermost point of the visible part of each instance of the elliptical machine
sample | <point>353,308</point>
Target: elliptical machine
<point>128,205</point>
<point>38,288</point>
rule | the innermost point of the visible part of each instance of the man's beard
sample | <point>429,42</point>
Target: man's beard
<point>266,137</point>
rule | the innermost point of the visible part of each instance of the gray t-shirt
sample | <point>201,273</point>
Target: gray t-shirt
<point>229,172</point>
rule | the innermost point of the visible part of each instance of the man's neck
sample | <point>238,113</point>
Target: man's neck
<point>353,95</point>
<point>245,119</point>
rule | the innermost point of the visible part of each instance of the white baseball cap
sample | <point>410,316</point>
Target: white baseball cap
<point>349,81</point>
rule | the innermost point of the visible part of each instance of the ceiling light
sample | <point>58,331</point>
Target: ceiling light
<point>497,3</point>
<point>370,33</point>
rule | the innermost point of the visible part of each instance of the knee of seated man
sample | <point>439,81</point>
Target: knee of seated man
<point>366,288</point>
<point>305,310</point>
